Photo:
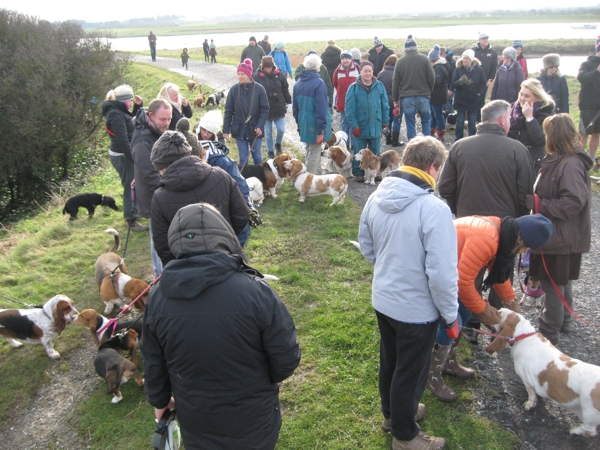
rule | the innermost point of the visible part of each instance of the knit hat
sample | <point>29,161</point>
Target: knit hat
<point>312,62</point>
<point>266,38</point>
<point>346,54</point>
<point>267,61</point>
<point>170,147</point>
<point>469,53</point>
<point>510,52</point>
<point>483,35</point>
<point>279,45</point>
<point>598,44</point>
<point>123,93</point>
<point>252,38</point>
<point>356,54</point>
<point>551,60</point>
<point>246,67</point>
<point>535,230</point>
<point>212,121</point>
<point>517,44</point>
<point>434,54</point>
<point>183,126</point>
<point>364,64</point>
<point>312,52</point>
<point>409,44</point>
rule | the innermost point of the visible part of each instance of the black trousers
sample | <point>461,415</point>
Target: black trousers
<point>404,355</point>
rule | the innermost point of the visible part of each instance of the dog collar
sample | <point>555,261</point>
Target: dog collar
<point>510,340</point>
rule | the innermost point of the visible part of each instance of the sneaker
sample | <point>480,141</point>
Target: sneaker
<point>420,442</point>
<point>359,178</point>
<point>470,335</point>
<point>386,425</point>
<point>136,226</point>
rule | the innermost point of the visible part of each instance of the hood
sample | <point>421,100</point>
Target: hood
<point>475,62</point>
<point>306,75</point>
<point>142,122</point>
<point>595,59</point>
<point>333,49</point>
<point>441,61</point>
<point>214,149</point>
<point>185,174</point>
<point>113,104</point>
<point>394,194</point>
<point>585,157</point>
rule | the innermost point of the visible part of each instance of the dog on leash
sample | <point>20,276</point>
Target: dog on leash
<point>89,201</point>
<point>191,84</point>
<point>340,160</point>
<point>271,173</point>
<point>310,185</point>
<point>215,98</point>
<point>376,165</point>
<point>549,373</point>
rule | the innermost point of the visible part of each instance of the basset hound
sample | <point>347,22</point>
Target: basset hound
<point>271,173</point>
<point>340,160</point>
<point>376,165</point>
<point>338,138</point>
<point>256,190</point>
<point>310,185</point>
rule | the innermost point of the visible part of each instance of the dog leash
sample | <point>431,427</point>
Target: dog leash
<point>510,340</point>
<point>21,303</point>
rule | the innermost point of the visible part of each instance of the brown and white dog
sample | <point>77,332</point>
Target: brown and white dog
<point>256,194</point>
<point>546,371</point>
<point>38,325</point>
<point>340,160</point>
<point>117,288</point>
<point>310,185</point>
<point>271,173</point>
<point>376,165</point>
<point>338,138</point>
<point>191,84</point>
<point>199,100</point>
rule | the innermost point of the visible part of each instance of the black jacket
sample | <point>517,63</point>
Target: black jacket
<point>468,97</point>
<point>218,339</point>
<point>331,59</point>
<point>589,77</point>
<point>556,86</point>
<point>120,124</point>
<point>191,180</point>
<point>237,110</point>
<point>489,60</point>
<point>439,94</point>
<point>278,91</point>
<point>378,59</point>
<point>186,111</point>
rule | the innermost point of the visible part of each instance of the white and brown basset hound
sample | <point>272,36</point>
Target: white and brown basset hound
<point>549,373</point>
<point>38,325</point>
<point>280,172</point>
<point>340,160</point>
<point>376,165</point>
<point>310,185</point>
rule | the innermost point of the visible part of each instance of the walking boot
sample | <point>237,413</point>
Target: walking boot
<point>434,381</point>
<point>388,140</point>
<point>452,366</point>
<point>433,130</point>
<point>278,149</point>
<point>136,226</point>
<point>395,139</point>
<point>386,425</point>
<point>270,155</point>
<point>440,135</point>
<point>420,442</point>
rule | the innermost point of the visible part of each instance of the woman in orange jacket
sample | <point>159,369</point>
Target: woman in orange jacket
<point>484,244</point>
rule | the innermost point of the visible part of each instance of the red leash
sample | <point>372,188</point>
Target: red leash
<point>510,340</point>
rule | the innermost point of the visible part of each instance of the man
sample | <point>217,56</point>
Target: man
<point>378,54</point>
<point>206,48</point>
<point>488,58</point>
<point>343,76</point>
<point>589,100</point>
<point>413,284</point>
<point>152,43</point>
<point>265,44</point>
<point>254,52</point>
<point>331,58</point>
<point>323,74</point>
<point>488,174</point>
<point>411,86</point>
<point>217,339</point>
<point>149,125</point>
<point>311,112</point>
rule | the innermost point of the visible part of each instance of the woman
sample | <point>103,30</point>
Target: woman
<point>526,118</point>
<point>386,76</point>
<point>439,94</point>
<point>367,112</point>
<point>468,84</point>
<point>518,46</point>
<point>181,107</point>
<point>212,52</point>
<point>210,127</point>
<point>554,83</point>
<point>278,93</point>
<point>508,77</point>
<point>246,112</point>
<point>484,243</point>
<point>282,60</point>
<point>119,126</point>
<point>564,196</point>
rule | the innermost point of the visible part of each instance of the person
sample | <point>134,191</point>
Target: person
<point>411,88</point>
<point>518,46</point>
<point>278,93</point>
<point>253,51</point>
<point>216,350</point>
<point>246,111</point>
<point>187,179</point>
<point>344,75</point>
<point>468,84</point>
<point>330,58</point>
<point>149,127</point>
<point>554,83</point>
<point>484,243</point>
<point>185,58</point>
<point>367,112</point>
<point>323,74</point>
<point>205,48</point>
<point>413,285</point>
<point>152,43</point>
<point>439,94</point>
<point>210,127</point>
<point>526,118</point>
<point>386,77</point>
<point>311,112</point>
<point>181,107</point>
<point>564,196</point>
<point>448,55</point>
<point>213,52</point>
<point>356,56</point>
<point>281,59</point>
<point>119,125</point>
<point>265,44</point>
<point>508,77</point>
<point>589,101</point>
<point>488,59</point>
<point>378,54</point>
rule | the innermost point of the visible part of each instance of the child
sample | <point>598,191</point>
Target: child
<point>184,58</point>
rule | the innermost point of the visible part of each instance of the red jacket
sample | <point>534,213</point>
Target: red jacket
<point>342,79</point>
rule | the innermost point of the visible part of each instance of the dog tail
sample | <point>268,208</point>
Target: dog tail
<point>115,233</point>
<point>356,244</point>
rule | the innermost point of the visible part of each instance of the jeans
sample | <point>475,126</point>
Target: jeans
<point>374,144</point>
<point>280,125</point>
<point>460,123</point>
<point>157,266</point>
<point>153,53</point>
<point>124,168</point>
<point>410,107</point>
<point>438,121</point>
<point>345,124</point>
<point>463,317</point>
<point>243,146</point>
<point>312,160</point>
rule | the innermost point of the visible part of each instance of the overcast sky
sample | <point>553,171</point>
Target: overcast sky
<point>106,10</point>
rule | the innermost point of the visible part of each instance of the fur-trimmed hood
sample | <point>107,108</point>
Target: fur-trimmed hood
<point>475,62</point>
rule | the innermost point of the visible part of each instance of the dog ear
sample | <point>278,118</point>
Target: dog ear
<point>508,330</point>
<point>60,309</point>
<point>366,158</point>
<point>296,168</point>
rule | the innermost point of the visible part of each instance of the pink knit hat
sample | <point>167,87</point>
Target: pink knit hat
<point>246,67</point>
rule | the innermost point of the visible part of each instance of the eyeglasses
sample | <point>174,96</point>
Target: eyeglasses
<point>552,67</point>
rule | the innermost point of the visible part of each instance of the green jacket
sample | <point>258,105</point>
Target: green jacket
<point>413,76</point>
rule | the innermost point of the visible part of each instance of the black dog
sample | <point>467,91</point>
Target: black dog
<point>215,98</point>
<point>88,201</point>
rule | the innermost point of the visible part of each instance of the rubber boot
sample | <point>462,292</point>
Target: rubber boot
<point>433,130</point>
<point>270,155</point>
<point>278,149</point>
<point>440,135</point>
<point>434,381</point>
<point>388,139</point>
<point>396,139</point>
<point>452,367</point>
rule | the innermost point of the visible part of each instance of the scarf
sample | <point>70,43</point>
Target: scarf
<point>175,105</point>
<point>504,262</point>
<point>517,119</point>
<point>420,174</point>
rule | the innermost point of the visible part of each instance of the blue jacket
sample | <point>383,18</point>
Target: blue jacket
<point>235,116</point>
<point>368,109</point>
<point>282,62</point>
<point>311,107</point>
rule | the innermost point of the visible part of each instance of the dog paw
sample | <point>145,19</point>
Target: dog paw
<point>530,404</point>
<point>582,430</point>
<point>116,399</point>
<point>54,354</point>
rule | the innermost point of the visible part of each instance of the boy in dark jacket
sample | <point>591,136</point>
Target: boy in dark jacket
<point>185,58</point>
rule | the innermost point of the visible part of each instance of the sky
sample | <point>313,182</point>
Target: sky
<point>107,10</point>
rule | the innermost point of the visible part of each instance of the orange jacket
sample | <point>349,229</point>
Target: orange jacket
<point>478,239</point>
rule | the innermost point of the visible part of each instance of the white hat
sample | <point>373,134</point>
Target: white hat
<point>212,121</point>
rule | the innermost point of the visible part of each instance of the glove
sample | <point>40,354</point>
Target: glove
<point>255,219</point>
<point>396,111</point>
<point>490,316</point>
<point>512,305</point>
<point>385,131</point>
<point>463,80</point>
<point>356,132</point>
<point>320,137</point>
<point>452,329</point>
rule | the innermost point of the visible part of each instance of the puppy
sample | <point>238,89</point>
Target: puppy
<point>279,171</point>
<point>338,138</point>
<point>38,325</point>
<point>340,160</point>
<point>88,201</point>
<point>549,373</point>
<point>312,185</point>
<point>376,165</point>
<point>191,84</point>
<point>199,100</point>
<point>215,98</point>
<point>117,288</point>
<point>115,369</point>
<point>256,190</point>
